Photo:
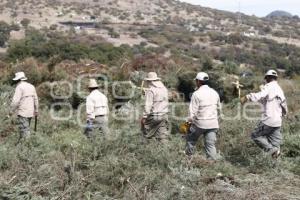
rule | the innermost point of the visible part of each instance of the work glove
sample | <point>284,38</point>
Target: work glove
<point>89,123</point>
<point>184,128</point>
<point>243,100</point>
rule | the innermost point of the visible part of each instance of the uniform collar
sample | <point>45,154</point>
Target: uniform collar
<point>203,87</point>
<point>21,82</point>
<point>272,83</point>
<point>94,91</point>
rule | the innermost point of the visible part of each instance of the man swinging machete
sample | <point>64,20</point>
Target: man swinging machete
<point>267,134</point>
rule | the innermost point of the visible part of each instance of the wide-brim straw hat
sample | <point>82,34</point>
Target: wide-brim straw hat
<point>93,83</point>
<point>152,76</point>
<point>20,76</point>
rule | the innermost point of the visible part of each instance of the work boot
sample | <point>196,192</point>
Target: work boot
<point>276,154</point>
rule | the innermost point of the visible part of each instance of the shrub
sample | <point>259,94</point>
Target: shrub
<point>36,72</point>
<point>186,84</point>
<point>4,32</point>
<point>113,33</point>
<point>53,27</point>
<point>235,39</point>
<point>25,22</point>
<point>59,48</point>
<point>231,67</point>
<point>207,63</point>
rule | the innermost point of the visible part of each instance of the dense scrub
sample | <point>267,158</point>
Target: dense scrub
<point>58,162</point>
<point>5,30</point>
<point>260,53</point>
<point>57,47</point>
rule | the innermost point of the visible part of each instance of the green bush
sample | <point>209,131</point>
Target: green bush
<point>231,67</point>
<point>25,22</point>
<point>5,30</point>
<point>37,44</point>
<point>6,158</point>
<point>186,84</point>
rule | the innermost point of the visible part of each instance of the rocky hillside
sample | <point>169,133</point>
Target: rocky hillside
<point>50,14</point>
<point>174,29</point>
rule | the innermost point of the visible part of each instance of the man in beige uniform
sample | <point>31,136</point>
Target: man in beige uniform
<point>203,116</point>
<point>96,110</point>
<point>24,103</point>
<point>155,116</point>
<point>267,135</point>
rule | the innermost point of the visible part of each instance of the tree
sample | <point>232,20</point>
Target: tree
<point>231,67</point>
<point>235,39</point>
<point>207,63</point>
<point>3,39</point>
<point>25,22</point>
<point>53,27</point>
<point>4,33</point>
<point>113,33</point>
<point>15,27</point>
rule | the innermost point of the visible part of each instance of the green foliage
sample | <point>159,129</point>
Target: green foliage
<point>186,84</point>
<point>231,67</point>
<point>207,63</point>
<point>59,161</point>
<point>113,33</point>
<point>6,158</point>
<point>25,22</point>
<point>235,39</point>
<point>37,44</point>
<point>5,30</point>
<point>291,146</point>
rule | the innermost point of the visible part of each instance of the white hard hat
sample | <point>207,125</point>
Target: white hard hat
<point>271,73</point>
<point>20,76</point>
<point>202,76</point>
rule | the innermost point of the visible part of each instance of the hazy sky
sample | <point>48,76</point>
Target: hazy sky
<point>258,7</point>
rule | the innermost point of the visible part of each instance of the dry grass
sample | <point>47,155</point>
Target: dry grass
<point>58,162</point>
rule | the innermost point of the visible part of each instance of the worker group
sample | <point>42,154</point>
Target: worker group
<point>203,118</point>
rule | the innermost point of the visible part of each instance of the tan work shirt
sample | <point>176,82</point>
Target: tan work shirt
<point>274,104</point>
<point>203,110</point>
<point>96,104</point>
<point>25,100</point>
<point>157,100</point>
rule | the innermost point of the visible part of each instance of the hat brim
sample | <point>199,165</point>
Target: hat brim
<point>201,80</point>
<point>152,79</point>
<point>21,79</point>
<point>271,75</point>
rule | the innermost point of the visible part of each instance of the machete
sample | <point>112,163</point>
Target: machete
<point>35,123</point>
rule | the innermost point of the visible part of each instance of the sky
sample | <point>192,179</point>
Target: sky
<point>259,8</point>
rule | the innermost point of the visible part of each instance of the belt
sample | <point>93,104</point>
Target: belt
<point>99,115</point>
